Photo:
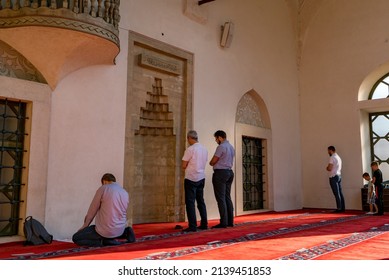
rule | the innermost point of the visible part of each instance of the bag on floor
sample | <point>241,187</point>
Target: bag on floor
<point>35,232</point>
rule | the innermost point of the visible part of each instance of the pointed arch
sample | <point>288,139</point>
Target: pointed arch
<point>252,110</point>
<point>253,176</point>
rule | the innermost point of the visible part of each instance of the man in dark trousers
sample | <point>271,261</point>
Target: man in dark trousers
<point>193,162</point>
<point>377,182</point>
<point>109,210</point>
<point>222,178</point>
<point>334,169</point>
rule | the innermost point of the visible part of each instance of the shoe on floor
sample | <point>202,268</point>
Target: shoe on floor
<point>129,234</point>
<point>189,230</point>
<point>219,226</point>
<point>202,227</point>
<point>370,213</point>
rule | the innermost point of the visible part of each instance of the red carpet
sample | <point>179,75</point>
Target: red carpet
<point>301,234</point>
<point>18,250</point>
<point>297,243</point>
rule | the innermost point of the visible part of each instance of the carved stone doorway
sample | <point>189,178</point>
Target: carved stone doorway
<point>159,112</point>
<point>253,139</point>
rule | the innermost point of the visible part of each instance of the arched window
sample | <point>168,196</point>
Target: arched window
<point>379,126</point>
<point>381,88</point>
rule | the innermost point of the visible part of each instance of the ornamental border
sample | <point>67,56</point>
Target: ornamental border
<point>60,23</point>
<point>334,245</point>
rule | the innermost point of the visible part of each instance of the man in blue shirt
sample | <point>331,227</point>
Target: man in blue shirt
<point>222,178</point>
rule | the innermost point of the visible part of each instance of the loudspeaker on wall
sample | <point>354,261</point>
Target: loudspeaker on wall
<point>227,33</point>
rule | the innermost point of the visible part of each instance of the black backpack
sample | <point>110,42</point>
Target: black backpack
<point>35,232</point>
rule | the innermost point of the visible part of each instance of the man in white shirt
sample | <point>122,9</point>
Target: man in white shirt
<point>193,162</point>
<point>334,168</point>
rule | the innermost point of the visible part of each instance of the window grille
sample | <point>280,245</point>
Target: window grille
<point>253,173</point>
<point>379,126</point>
<point>379,138</point>
<point>12,135</point>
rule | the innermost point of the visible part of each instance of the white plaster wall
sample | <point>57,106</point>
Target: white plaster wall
<point>86,140</point>
<point>345,43</point>
<point>88,106</point>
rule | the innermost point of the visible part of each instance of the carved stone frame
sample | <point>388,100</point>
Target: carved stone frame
<point>132,119</point>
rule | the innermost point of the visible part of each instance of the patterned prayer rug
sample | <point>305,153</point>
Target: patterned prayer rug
<point>246,238</point>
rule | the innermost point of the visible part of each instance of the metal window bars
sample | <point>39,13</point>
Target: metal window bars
<point>12,135</point>
<point>253,173</point>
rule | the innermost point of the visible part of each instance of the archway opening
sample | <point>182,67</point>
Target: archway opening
<point>253,160</point>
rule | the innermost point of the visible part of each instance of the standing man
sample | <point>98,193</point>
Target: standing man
<point>334,168</point>
<point>377,182</point>
<point>193,162</point>
<point>109,207</point>
<point>222,178</point>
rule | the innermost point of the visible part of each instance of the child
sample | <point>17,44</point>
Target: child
<point>377,182</point>
<point>370,194</point>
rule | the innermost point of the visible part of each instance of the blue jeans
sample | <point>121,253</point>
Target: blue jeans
<point>194,192</point>
<point>336,186</point>
<point>222,181</point>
